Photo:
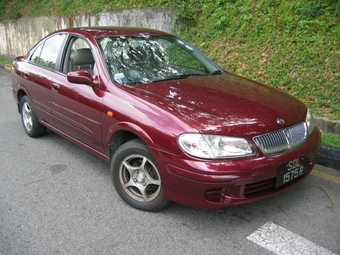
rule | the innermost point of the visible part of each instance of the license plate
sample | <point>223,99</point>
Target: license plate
<point>291,170</point>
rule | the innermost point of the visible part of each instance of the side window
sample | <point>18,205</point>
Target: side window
<point>36,55</point>
<point>47,56</point>
<point>80,44</point>
<point>78,56</point>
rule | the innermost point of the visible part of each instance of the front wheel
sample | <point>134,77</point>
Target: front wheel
<point>29,120</point>
<point>136,178</point>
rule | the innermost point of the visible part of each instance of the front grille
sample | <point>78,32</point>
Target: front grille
<point>282,140</point>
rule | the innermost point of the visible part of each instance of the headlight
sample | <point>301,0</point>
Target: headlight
<point>215,146</point>
<point>310,122</point>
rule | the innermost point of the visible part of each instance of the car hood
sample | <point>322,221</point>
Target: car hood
<point>226,104</point>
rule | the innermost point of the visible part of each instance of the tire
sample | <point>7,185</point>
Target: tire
<point>32,126</point>
<point>136,178</point>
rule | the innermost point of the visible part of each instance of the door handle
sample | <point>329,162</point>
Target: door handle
<point>25,75</point>
<point>55,86</point>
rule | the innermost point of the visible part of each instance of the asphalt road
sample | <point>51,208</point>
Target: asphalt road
<point>57,198</point>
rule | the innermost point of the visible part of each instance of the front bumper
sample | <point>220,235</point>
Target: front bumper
<point>217,184</point>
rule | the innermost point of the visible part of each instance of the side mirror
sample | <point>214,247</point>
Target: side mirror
<point>80,77</point>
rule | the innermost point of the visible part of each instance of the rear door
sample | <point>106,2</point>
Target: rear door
<point>38,74</point>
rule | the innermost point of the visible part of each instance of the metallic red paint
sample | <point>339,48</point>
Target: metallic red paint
<point>158,112</point>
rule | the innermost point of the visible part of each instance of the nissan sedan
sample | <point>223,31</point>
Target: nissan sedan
<point>173,124</point>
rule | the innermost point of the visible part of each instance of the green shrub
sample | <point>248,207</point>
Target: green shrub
<point>291,45</point>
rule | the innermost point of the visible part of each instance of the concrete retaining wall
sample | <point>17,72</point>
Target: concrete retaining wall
<point>18,36</point>
<point>328,126</point>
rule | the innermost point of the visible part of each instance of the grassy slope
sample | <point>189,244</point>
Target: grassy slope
<point>292,45</point>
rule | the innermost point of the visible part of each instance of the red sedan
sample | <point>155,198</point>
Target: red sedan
<point>173,124</point>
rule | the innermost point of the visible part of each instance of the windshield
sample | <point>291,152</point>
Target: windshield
<point>144,59</point>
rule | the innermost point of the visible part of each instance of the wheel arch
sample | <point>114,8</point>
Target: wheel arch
<point>20,94</point>
<point>126,132</point>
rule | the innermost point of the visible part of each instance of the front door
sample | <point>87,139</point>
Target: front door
<point>76,108</point>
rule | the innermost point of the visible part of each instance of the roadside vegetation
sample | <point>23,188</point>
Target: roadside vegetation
<point>291,45</point>
<point>331,139</point>
<point>5,61</point>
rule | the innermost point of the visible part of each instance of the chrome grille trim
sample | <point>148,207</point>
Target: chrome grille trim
<point>282,140</point>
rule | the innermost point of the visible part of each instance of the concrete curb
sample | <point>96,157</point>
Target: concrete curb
<point>327,156</point>
<point>6,66</point>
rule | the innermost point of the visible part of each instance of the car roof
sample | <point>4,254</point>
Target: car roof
<point>113,31</point>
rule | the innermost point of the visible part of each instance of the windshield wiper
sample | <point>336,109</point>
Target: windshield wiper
<point>185,76</point>
<point>216,72</point>
<point>176,77</point>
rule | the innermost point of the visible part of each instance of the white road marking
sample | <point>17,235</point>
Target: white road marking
<point>282,241</point>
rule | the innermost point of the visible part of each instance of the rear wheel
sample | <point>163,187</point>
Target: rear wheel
<point>30,121</point>
<point>136,178</point>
